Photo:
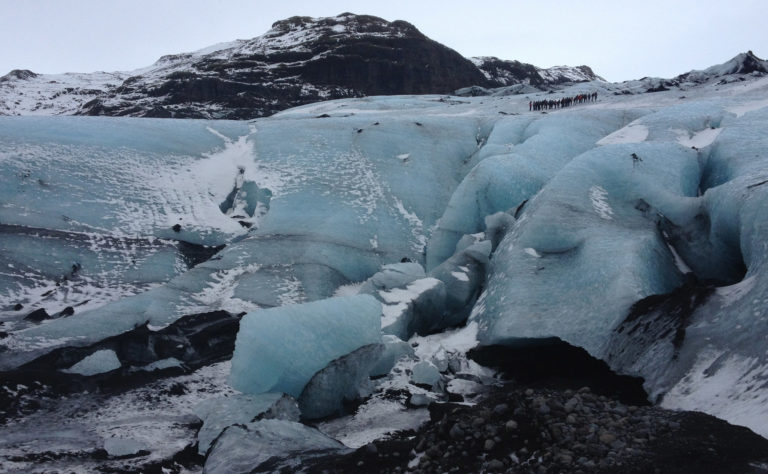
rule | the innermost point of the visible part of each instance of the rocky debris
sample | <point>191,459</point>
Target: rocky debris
<point>37,315</point>
<point>145,355</point>
<point>518,429</point>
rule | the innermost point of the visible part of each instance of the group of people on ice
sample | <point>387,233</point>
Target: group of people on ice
<point>562,102</point>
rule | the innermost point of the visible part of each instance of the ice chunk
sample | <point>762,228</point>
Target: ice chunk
<point>119,447</point>
<point>97,363</point>
<point>463,275</point>
<point>266,358</point>
<point>221,412</point>
<point>344,379</point>
<point>425,373</point>
<point>394,350</point>
<point>394,275</point>
<point>268,446</point>
<point>412,309</point>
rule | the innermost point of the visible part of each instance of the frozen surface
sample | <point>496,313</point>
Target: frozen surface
<point>375,419</point>
<point>266,359</point>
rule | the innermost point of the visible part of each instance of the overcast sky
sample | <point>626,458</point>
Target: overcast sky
<point>619,39</point>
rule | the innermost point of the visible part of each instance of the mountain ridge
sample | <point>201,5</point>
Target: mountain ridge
<point>299,60</point>
<point>302,60</point>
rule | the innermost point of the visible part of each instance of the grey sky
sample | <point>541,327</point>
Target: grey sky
<point>619,39</point>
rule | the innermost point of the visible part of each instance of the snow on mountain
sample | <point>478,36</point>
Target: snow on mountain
<point>23,92</point>
<point>562,74</point>
<point>298,61</point>
<point>744,63</point>
<point>507,73</point>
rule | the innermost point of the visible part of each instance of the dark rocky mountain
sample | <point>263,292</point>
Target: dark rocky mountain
<point>299,61</point>
<point>507,73</point>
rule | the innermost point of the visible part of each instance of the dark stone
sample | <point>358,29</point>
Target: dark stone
<point>657,88</point>
<point>18,307</point>
<point>68,311</point>
<point>195,340</point>
<point>176,227</point>
<point>195,254</point>
<point>177,389</point>
<point>397,60</point>
<point>37,315</point>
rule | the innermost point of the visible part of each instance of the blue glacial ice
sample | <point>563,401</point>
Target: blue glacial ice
<point>582,235</point>
<point>266,358</point>
<point>534,225</point>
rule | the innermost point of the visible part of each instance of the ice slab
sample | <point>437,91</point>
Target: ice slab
<point>344,380</point>
<point>97,363</point>
<point>266,359</point>
<point>119,447</point>
<point>394,350</point>
<point>268,445</point>
<point>221,412</point>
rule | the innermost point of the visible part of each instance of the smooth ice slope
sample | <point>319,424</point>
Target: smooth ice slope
<point>266,358</point>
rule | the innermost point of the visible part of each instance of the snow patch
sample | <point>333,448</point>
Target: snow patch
<point>532,252</point>
<point>398,299</point>
<point>730,387</point>
<point>460,276</point>
<point>600,204</point>
<point>698,139</point>
<point>632,133</point>
<point>740,110</point>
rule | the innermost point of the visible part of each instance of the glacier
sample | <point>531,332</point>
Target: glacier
<point>351,232</point>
